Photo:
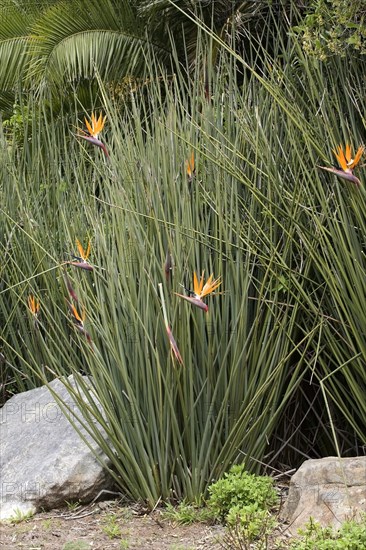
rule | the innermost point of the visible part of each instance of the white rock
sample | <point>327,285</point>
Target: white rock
<point>43,460</point>
<point>330,490</point>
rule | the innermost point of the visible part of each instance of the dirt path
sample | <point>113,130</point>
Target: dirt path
<point>107,526</point>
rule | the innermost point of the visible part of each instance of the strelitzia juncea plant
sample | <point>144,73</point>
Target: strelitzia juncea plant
<point>262,224</point>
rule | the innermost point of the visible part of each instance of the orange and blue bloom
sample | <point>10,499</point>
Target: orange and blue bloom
<point>34,307</point>
<point>347,163</point>
<point>81,261</point>
<point>190,167</point>
<point>94,129</point>
<point>79,321</point>
<point>201,290</point>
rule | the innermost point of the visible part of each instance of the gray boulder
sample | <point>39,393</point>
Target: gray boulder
<point>330,490</point>
<point>43,460</point>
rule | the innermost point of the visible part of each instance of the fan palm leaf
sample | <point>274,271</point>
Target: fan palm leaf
<point>70,44</point>
<point>65,43</point>
<point>14,40</point>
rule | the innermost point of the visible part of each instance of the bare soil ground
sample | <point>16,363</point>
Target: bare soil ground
<point>107,526</point>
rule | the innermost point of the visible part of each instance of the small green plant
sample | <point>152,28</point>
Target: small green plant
<point>243,502</point>
<point>47,523</point>
<point>187,513</point>
<point>125,513</point>
<point>239,490</point>
<point>350,536</point>
<point>250,536</point>
<point>124,544</point>
<point>20,516</point>
<point>72,506</point>
<point>111,527</point>
<point>251,521</point>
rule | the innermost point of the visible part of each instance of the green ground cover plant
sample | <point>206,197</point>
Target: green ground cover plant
<point>244,502</point>
<point>240,500</point>
<point>241,491</point>
<point>350,536</point>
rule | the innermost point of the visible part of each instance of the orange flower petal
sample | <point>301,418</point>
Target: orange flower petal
<point>358,156</point>
<point>210,286</point>
<point>341,158</point>
<point>90,128</point>
<point>345,160</point>
<point>190,166</point>
<point>80,248</point>
<point>87,250</point>
<point>33,305</point>
<point>197,285</point>
<point>96,125</point>
<point>75,313</point>
<point>83,254</point>
<point>348,153</point>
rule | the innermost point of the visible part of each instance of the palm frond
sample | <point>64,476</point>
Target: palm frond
<point>69,45</point>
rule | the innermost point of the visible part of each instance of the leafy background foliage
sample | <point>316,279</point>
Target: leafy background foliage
<point>333,27</point>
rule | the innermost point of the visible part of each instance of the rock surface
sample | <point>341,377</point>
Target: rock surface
<point>43,460</point>
<point>330,490</point>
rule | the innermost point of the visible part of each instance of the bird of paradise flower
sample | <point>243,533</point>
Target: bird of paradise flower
<point>34,307</point>
<point>81,261</point>
<point>201,290</point>
<point>347,163</point>
<point>79,321</point>
<point>190,167</point>
<point>94,130</point>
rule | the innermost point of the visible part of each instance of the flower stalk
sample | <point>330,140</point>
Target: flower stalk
<point>173,343</point>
